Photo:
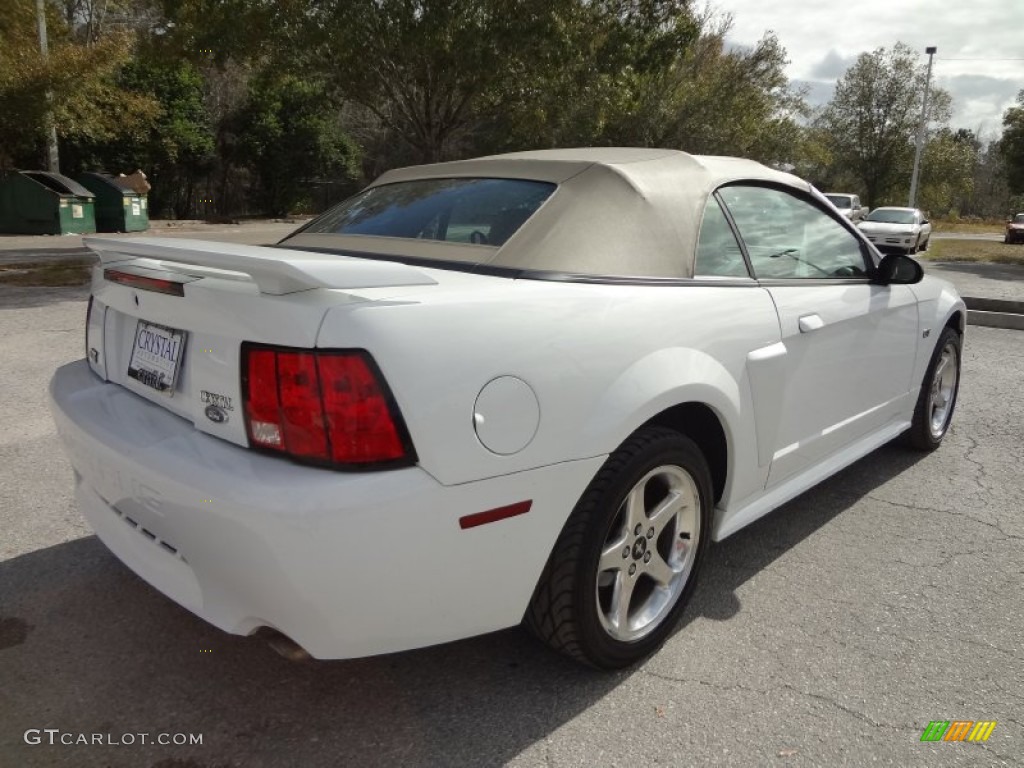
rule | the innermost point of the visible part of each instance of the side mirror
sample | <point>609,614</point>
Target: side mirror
<point>924,221</point>
<point>898,269</point>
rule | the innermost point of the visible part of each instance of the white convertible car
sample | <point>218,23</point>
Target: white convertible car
<point>525,388</point>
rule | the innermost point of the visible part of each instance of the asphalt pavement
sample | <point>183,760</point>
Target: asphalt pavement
<point>980,280</point>
<point>995,236</point>
<point>829,633</point>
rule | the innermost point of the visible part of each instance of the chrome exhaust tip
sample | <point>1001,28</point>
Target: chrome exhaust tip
<point>283,644</point>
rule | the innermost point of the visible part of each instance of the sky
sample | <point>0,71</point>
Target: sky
<point>976,40</point>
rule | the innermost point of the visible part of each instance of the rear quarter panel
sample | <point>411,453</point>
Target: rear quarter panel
<point>601,359</point>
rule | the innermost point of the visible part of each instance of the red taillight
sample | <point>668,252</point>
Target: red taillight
<point>301,411</point>
<point>322,406</point>
<point>262,403</point>
<point>358,414</point>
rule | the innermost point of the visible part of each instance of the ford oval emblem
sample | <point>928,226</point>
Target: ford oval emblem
<point>215,414</point>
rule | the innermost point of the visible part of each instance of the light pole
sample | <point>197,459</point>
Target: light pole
<point>920,129</point>
<point>52,156</point>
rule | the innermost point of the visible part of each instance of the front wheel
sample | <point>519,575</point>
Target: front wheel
<point>627,560</point>
<point>937,399</point>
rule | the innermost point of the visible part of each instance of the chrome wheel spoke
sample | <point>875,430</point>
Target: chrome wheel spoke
<point>622,595</point>
<point>611,556</point>
<point>666,511</point>
<point>635,513</point>
<point>660,571</point>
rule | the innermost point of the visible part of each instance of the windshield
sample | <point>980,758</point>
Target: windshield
<point>474,211</point>
<point>840,201</point>
<point>891,216</point>
<point>1019,218</point>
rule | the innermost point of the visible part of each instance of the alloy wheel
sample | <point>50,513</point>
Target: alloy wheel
<point>649,553</point>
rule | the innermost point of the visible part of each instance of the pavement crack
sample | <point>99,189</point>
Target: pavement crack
<point>706,683</point>
<point>789,687</point>
<point>848,710</point>
<point>951,513</point>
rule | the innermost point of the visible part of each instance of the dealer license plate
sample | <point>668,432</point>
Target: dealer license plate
<point>156,356</point>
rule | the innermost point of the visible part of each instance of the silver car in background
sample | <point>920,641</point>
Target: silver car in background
<point>897,229</point>
<point>848,205</point>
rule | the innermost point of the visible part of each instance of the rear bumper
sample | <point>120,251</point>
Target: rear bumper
<point>347,565</point>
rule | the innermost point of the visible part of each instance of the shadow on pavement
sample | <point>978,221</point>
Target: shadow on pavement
<point>87,647</point>
<point>25,297</point>
<point>986,271</point>
<point>741,556</point>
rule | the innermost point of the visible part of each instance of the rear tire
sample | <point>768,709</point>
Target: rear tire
<point>937,399</point>
<point>627,561</point>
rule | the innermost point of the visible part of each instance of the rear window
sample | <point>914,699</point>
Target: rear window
<point>891,216</point>
<point>840,201</point>
<point>476,211</point>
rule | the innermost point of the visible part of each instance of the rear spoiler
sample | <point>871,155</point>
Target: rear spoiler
<point>274,270</point>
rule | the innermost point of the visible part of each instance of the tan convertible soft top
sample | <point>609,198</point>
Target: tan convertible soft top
<point>617,211</point>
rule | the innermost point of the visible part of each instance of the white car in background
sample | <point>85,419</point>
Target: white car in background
<point>897,229</point>
<point>848,205</point>
<point>1015,230</point>
<point>531,387</point>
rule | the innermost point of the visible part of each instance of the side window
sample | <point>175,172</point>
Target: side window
<point>787,237</point>
<point>718,253</point>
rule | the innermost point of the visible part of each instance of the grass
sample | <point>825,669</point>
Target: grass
<point>50,273</point>
<point>972,227</point>
<point>991,251</point>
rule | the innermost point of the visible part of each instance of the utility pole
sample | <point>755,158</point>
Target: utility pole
<point>920,129</point>
<point>52,156</point>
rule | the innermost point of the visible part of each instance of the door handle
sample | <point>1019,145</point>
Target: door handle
<point>810,323</point>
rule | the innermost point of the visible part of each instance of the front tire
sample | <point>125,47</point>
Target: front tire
<point>627,560</point>
<point>937,399</point>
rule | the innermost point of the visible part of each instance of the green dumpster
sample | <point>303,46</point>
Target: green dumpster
<point>42,203</point>
<point>119,208</point>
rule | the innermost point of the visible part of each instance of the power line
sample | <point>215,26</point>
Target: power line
<point>943,58</point>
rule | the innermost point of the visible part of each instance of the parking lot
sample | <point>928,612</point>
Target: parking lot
<point>829,633</point>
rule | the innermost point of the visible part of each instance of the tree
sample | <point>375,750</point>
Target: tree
<point>1011,145</point>
<point>947,171</point>
<point>175,147</point>
<point>435,72</point>
<point>290,137</point>
<point>872,119</point>
<point>84,100</point>
<point>732,101</point>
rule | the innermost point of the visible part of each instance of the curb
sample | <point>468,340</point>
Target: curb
<point>995,313</point>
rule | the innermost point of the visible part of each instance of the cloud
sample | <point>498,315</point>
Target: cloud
<point>979,100</point>
<point>818,92</point>
<point>832,66</point>
<point>979,44</point>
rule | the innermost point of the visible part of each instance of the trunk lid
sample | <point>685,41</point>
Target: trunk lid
<point>230,294</point>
